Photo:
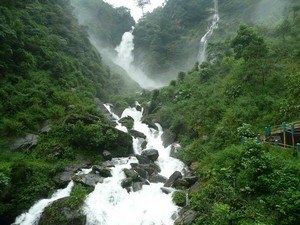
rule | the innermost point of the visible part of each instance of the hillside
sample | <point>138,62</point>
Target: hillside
<point>249,81</point>
<point>52,81</point>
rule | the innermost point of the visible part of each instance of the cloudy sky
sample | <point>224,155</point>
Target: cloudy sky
<point>131,4</point>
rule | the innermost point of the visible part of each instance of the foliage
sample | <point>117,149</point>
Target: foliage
<point>179,198</point>
<point>77,196</point>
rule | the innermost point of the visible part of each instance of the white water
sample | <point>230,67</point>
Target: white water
<point>110,204</point>
<point>125,60</point>
<point>207,35</point>
<point>33,215</point>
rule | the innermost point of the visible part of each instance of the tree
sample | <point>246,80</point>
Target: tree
<point>142,3</point>
<point>248,44</point>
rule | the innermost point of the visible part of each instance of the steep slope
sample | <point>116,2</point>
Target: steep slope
<point>52,82</point>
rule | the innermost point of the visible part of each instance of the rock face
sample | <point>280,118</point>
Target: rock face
<point>150,123</point>
<point>88,179</point>
<point>151,154</point>
<point>58,211</point>
<point>25,143</point>
<point>156,178</point>
<point>175,176</point>
<point>143,159</point>
<point>168,137</point>
<point>101,108</point>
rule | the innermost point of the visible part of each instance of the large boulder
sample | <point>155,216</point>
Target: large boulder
<point>151,154</point>
<point>102,171</point>
<point>143,159</point>
<point>63,178</point>
<point>60,211</point>
<point>127,122</point>
<point>175,148</point>
<point>122,147</point>
<point>126,183</point>
<point>156,178</point>
<point>24,143</point>
<point>168,137</point>
<point>137,186</point>
<point>130,173</point>
<point>101,108</point>
<point>137,134</point>
<point>175,176</point>
<point>149,122</point>
<point>181,184</point>
<point>186,218</point>
<point>90,179</point>
<point>149,168</point>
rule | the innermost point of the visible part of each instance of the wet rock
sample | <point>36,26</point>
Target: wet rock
<point>175,148</point>
<point>142,173</point>
<point>138,108</point>
<point>46,126</point>
<point>90,179</point>
<point>175,176</point>
<point>102,171</point>
<point>127,122</point>
<point>149,122</point>
<point>127,182</point>
<point>143,159</point>
<point>106,155</point>
<point>186,218</point>
<point>191,180</point>
<point>137,186</point>
<point>181,184</point>
<point>59,209</point>
<point>25,143</point>
<point>144,145</point>
<point>166,190</point>
<point>151,154</point>
<point>156,178</point>
<point>108,164</point>
<point>149,168</point>
<point>168,137</point>
<point>137,134</point>
<point>101,108</point>
<point>131,174</point>
<point>62,179</point>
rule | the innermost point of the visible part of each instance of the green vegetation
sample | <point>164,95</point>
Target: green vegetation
<point>50,74</point>
<point>249,81</point>
<point>179,198</point>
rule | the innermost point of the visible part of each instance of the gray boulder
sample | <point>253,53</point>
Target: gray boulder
<point>186,218</point>
<point>151,154</point>
<point>143,159</point>
<point>137,134</point>
<point>25,143</point>
<point>126,183</point>
<point>168,137</point>
<point>102,171</point>
<point>137,186</point>
<point>130,173</point>
<point>149,122</point>
<point>175,176</point>
<point>156,178</point>
<point>181,184</point>
<point>166,190</point>
<point>90,179</point>
<point>141,171</point>
<point>144,145</point>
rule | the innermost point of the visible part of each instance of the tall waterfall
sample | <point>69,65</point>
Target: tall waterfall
<point>125,59</point>
<point>109,203</point>
<point>207,35</point>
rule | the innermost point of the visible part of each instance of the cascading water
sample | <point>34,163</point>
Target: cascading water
<point>125,60</point>
<point>207,35</point>
<point>109,203</point>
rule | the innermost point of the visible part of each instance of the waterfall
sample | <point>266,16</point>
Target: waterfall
<point>109,203</point>
<point>125,59</point>
<point>207,35</point>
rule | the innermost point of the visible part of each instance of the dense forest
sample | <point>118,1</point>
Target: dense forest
<point>54,82</point>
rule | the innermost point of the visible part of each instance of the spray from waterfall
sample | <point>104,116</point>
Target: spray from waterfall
<point>125,59</point>
<point>207,35</point>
